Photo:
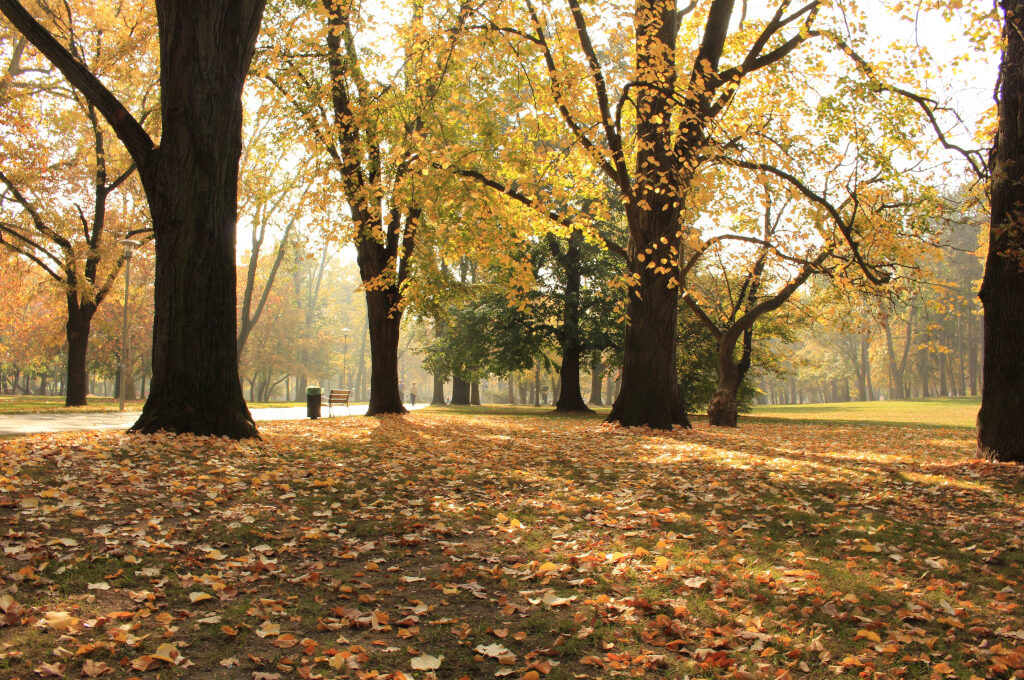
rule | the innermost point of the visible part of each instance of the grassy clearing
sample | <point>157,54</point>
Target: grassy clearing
<point>939,411</point>
<point>524,546</point>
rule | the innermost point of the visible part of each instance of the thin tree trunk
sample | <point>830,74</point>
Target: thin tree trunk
<point>536,383</point>
<point>596,380</point>
<point>77,332</point>
<point>570,398</point>
<point>972,357</point>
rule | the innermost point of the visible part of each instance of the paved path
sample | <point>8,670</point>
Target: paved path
<point>34,423</point>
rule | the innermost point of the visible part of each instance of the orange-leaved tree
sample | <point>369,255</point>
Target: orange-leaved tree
<point>61,174</point>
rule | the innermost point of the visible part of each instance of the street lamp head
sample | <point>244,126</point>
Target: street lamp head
<point>129,246</point>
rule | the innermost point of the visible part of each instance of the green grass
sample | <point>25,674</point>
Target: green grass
<point>939,411</point>
<point>20,404</point>
<point>516,410</point>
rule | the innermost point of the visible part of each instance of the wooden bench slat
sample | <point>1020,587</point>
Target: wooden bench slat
<point>339,397</point>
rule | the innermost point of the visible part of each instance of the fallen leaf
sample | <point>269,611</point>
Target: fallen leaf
<point>426,662</point>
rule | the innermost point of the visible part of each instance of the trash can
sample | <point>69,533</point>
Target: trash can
<point>313,396</point>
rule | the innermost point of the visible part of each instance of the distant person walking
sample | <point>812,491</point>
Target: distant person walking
<point>412,395</point>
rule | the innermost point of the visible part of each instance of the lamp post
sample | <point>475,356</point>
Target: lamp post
<point>129,247</point>
<point>345,333</point>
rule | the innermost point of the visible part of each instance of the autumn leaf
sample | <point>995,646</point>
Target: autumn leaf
<point>94,669</point>
<point>426,662</point>
<point>47,670</point>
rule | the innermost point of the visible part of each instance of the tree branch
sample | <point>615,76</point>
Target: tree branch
<point>135,138</point>
<point>871,272</point>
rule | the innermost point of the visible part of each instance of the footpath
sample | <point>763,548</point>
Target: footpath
<point>35,423</point>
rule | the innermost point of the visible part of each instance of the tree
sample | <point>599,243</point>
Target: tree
<point>1000,426</point>
<point>654,129</point>
<point>61,172</point>
<point>190,179</point>
<point>368,126</point>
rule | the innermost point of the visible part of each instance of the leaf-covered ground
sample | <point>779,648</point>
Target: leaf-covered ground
<point>526,547</point>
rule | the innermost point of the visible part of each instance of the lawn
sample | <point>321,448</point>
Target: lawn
<point>945,411</point>
<point>526,546</point>
<point>20,404</point>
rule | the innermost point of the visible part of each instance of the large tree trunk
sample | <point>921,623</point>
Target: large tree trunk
<point>77,331</point>
<point>570,397</point>
<point>385,323</point>
<point>460,391</point>
<point>1000,425</point>
<point>648,394</point>
<point>474,393</point>
<point>723,409</point>
<point>437,398</point>
<point>191,185</point>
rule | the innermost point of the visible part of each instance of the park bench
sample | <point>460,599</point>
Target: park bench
<point>338,397</point>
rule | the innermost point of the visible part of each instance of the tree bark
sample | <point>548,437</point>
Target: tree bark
<point>1000,425</point>
<point>723,409</point>
<point>77,332</point>
<point>474,393</point>
<point>385,323</point>
<point>649,394</point>
<point>570,398</point>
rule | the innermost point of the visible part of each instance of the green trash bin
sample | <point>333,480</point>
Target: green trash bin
<point>313,398</point>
